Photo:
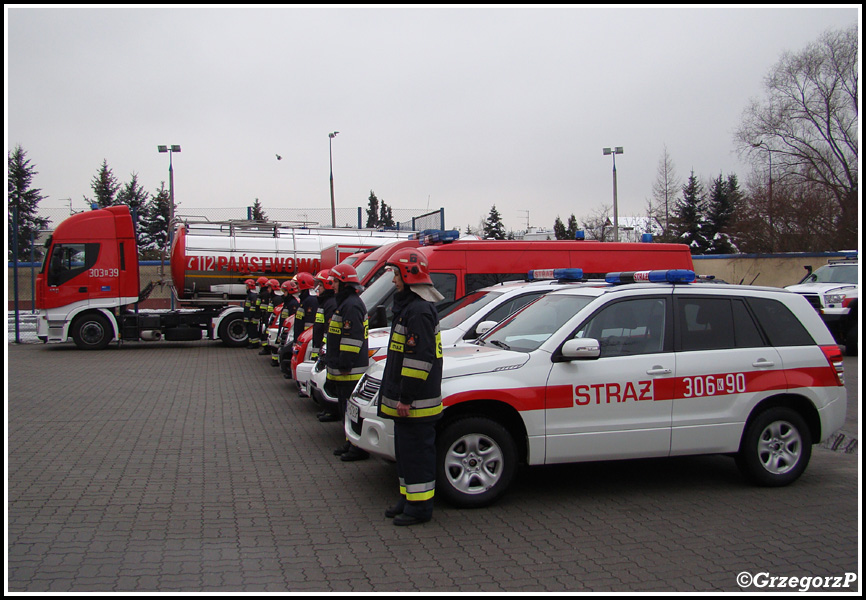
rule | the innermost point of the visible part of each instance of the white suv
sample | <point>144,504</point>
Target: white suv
<point>833,291</point>
<point>629,371</point>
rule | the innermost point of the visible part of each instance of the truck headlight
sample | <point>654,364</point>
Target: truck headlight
<point>834,298</point>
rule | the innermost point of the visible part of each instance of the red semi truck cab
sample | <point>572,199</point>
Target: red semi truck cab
<point>92,261</point>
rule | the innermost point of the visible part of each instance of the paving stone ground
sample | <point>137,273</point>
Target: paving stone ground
<point>192,467</point>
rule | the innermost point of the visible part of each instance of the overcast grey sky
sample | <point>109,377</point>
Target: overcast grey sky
<point>452,107</point>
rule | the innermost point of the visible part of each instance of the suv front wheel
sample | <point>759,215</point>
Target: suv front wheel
<point>475,461</point>
<point>776,448</point>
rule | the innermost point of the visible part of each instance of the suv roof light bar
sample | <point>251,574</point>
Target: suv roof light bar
<point>657,276</point>
<point>570,274</point>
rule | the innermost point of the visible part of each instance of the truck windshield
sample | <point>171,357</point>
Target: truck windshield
<point>363,267</point>
<point>527,329</point>
<point>833,274</point>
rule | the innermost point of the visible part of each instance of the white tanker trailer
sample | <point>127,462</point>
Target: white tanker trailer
<point>212,260</point>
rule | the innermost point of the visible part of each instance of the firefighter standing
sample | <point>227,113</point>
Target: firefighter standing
<point>262,305</point>
<point>255,314</point>
<point>290,306</point>
<point>327,306</point>
<point>347,357</point>
<point>249,301</point>
<point>411,386</point>
<point>275,305</point>
<point>305,315</point>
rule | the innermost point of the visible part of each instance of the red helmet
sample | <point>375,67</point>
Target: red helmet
<point>324,278</point>
<point>273,284</point>
<point>345,274</point>
<point>412,266</point>
<point>250,283</point>
<point>262,281</point>
<point>305,280</point>
<point>291,286</point>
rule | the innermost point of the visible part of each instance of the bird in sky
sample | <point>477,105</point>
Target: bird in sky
<point>279,157</point>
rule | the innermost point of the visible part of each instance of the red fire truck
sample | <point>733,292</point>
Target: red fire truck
<point>88,288</point>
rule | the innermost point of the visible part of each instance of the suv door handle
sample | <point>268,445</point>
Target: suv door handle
<point>658,370</point>
<point>763,363</point>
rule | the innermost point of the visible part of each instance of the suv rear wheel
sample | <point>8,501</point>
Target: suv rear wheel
<point>475,461</point>
<point>775,448</point>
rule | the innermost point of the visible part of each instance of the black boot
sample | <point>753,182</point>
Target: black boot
<point>354,454</point>
<point>342,449</point>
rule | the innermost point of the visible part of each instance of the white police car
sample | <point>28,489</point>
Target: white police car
<point>628,371</point>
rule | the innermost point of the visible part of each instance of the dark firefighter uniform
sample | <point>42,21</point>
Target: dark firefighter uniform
<point>305,315</point>
<point>413,376</point>
<point>249,302</point>
<point>255,314</point>
<point>327,306</point>
<point>347,355</point>
<point>263,316</point>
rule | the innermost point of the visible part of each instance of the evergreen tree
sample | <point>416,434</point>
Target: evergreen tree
<point>133,195</point>
<point>571,230</point>
<point>258,212</point>
<point>26,199</point>
<point>153,224</point>
<point>689,216</point>
<point>386,218</point>
<point>724,195</point>
<point>559,229</point>
<point>493,226</point>
<point>104,185</point>
<point>373,211</point>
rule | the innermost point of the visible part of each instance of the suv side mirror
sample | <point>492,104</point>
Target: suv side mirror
<point>578,349</point>
<point>484,326</point>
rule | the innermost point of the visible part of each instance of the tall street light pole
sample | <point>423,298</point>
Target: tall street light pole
<point>763,144</point>
<point>331,136</point>
<point>613,152</point>
<point>170,149</point>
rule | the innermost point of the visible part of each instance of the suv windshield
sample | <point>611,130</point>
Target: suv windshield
<point>833,274</point>
<point>530,327</point>
<point>465,307</point>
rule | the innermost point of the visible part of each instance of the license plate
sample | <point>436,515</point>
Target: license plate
<point>353,411</point>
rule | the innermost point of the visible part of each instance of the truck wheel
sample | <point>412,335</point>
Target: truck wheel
<point>851,338</point>
<point>776,447</point>
<point>475,461</point>
<point>92,332</point>
<point>233,331</point>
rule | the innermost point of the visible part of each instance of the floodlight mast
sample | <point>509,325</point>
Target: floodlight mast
<point>613,152</point>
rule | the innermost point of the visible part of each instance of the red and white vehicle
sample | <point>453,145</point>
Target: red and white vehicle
<point>89,282</point>
<point>595,373</point>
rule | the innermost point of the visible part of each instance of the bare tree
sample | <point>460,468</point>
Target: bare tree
<point>665,189</point>
<point>806,128</point>
<point>598,225</point>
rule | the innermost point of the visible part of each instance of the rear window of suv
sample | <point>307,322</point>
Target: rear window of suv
<point>779,323</point>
